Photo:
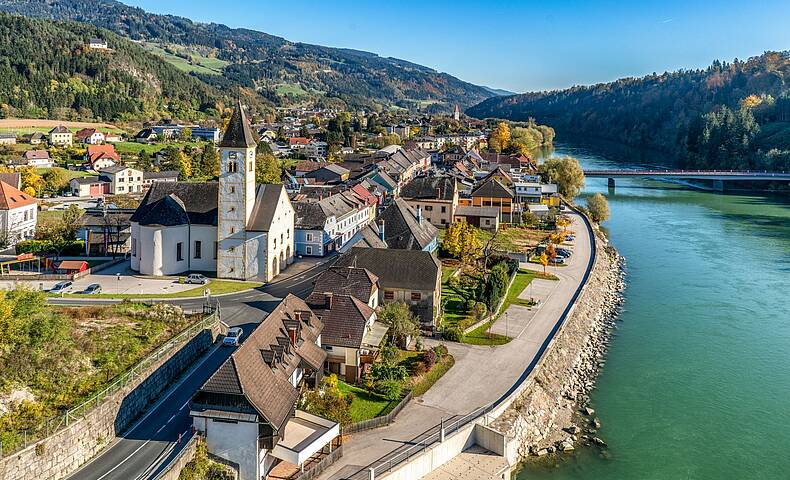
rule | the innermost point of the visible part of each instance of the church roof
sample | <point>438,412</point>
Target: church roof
<point>178,203</point>
<point>238,134</point>
<point>267,197</point>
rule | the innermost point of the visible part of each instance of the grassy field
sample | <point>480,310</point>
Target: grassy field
<point>366,405</point>
<point>134,148</point>
<point>70,173</point>
<point>284,89</point>
<point>454,298</point>
<point>199,63</point>
<point>481,336</point>
<point>217,287</point>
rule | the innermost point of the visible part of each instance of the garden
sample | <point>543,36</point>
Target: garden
<point>52,359</point>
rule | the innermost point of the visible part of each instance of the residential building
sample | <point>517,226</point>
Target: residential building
<point>550,195</point>
<point>123,179</point>
<point>316,149</point>
<point>435,196</point>
<point>100,157</point>
<point>493,193</point>
<point>18,214</point>
<point>37,159</point>
<point>485,218</point>
<point>36,138</point>
<point>91,136</point>
<point>61,136</point>
<point>528,192</point>
<point>163,176</point>
<point>232,227</point>
<point>247,410</point>
<point>91,186</point>
<point>146,135</point>
<point>7,139</point>
<point>112,138</point>
<point>330,173</point>
<point>329,224</point>
<point>403,131</point>
<point>404,228</point>
<point>413,277</point>
<point>106,231</point>
<point>97,44</point>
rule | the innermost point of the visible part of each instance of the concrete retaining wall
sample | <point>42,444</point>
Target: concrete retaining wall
<point>64,452</point>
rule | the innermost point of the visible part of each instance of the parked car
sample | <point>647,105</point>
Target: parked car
<point>557,261</point>
<point>569,238</point>
<point>563,252</point>
<point>196,278</point>
<point>61,287</point>
<point>233,337</point>
<point>92,289</point>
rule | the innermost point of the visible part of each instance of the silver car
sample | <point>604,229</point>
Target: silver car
<point>196,278</point>
<point>233,338</point>
<point>61,287</point>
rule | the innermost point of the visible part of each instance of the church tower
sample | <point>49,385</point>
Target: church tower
<point>236,194</point>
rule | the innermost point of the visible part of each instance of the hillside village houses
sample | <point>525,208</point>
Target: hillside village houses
<point>18,214</point>
<point>61,136</point>
<point>233,227</point>
<point>91,136</point>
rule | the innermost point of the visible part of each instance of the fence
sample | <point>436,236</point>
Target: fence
<point>325,462</point>
<point>61,421</point>
<point>378,421</point>
<point>437,433</point>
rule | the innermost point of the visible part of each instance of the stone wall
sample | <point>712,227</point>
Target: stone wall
<point>64,452</point>
<point>546,416</point>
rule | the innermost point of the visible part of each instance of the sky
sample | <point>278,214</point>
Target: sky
<point>517,45</point>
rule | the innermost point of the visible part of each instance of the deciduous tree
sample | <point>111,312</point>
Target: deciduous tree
<point>598,207</point>
<point>565,172</point>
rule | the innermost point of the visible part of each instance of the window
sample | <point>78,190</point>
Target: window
<point>249,169</point>
<point>232,189</point>
<point>231,250</point>
<point>120,188</point>
<point>444,209</point>
<point>179,251</point>
<point>389,295</point>
<point>309,250</point>
<point>416,296</point>
<point>233,167</point>
<point>429,208</point>
<point>216,249</point>
<point>121,179</point>
<point>198,245</point>
<point>309,238</point>
<point>232,230</point>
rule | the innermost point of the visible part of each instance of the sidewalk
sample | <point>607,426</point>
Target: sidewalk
<point>481,374</point>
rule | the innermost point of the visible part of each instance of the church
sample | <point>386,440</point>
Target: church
<point>234,228</point>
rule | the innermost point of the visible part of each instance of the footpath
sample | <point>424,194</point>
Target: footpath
<point>481,374</point>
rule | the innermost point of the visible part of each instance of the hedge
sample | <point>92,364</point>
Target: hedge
<point>74,247</point>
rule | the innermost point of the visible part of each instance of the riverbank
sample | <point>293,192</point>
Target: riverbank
<point>550,416</point>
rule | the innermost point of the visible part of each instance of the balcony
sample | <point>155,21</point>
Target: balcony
<point>305,435</point>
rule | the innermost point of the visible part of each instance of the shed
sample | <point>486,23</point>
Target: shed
<point>70,267</point>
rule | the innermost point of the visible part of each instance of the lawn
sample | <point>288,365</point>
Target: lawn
<point>454,298</point>
<point>284,89</point>
<point>134,148</point>
<point>366,405</point>
<point>481,336</point>
<point>199,63</point>
<point>70,173</point>
<point>217,287</point>
<point>421,382</point>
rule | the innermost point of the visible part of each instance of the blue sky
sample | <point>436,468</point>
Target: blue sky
<point>517,45</point>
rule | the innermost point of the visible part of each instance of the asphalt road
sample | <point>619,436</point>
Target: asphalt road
<point>130,456</point>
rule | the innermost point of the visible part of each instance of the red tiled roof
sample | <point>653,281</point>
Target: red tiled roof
<point>11,197</point>
<point>96,152</point>
<point>298,141</point>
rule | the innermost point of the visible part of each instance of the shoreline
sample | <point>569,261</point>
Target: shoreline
<point>552,416</point>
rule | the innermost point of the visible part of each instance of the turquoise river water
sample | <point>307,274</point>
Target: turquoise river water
<point>697,379</point>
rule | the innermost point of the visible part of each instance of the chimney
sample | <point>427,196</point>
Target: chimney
<point>381,230</point>
<point>292,335</point>
<point>328,300</point>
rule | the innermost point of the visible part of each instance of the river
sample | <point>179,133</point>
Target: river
<point>697,379</point>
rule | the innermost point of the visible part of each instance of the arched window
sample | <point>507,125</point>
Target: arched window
<point>233,167</point>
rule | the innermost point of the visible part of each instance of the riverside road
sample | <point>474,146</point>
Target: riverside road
<point>147,442</point>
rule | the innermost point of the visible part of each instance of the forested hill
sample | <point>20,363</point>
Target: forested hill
<point>283,71</point>
<point>48,71</point>
<point>729,115</point>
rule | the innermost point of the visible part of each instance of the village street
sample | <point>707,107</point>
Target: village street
<point>481,374</point>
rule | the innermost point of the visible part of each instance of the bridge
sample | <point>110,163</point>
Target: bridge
<point>717,176</point>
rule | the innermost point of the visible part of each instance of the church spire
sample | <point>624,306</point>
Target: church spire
<point>238,134</point>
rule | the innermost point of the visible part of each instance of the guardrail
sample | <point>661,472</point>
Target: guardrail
<point>63,420</point>
<point>437,433</point>
<point>702,173</point>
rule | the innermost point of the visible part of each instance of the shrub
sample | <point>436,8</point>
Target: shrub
<point>390,354</point>
<point>479,310</point>
<point>418,344</point>
<point>469,305</point>
<point>441,351</point>
<point>73,248</point>
<point>390,389</point>
<point>384,371</point>
<point>420,368</point>
<point>452,333</point>
<point>429,357</point>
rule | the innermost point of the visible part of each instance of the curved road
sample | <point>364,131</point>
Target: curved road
<point>132,455</point>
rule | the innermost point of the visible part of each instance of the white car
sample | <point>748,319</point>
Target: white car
<point>233,338</point>
<point>197,278</point>
<point>61,287</point>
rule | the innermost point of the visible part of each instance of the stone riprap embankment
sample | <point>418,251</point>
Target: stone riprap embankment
<point>552,414</point>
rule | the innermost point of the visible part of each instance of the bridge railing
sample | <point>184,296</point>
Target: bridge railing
<point>761,173</point>
<point>11,442</point>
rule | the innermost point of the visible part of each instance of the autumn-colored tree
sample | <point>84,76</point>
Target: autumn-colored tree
<point>751,101</point>
<point>544,260</point>
<point>499,137</point>
<point>267,169</point>
<point>462,242</point>
<point>32,182</point>
<point>598,207</point>
<point>175,159</point>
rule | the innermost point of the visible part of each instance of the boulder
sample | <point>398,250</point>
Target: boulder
<point>589,411</point>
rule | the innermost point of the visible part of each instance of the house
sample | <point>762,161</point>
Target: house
<point>330,223</point>
<point>298,143</point>
<point>61,136</point>
<point>528,192</point>
<point>100,157</point>
<point>123,179</point>
<point>413,277</point>
<point>316,149</point>
<point>163,176</point>
<point>303,167</point>
<point>493,193</point>
<point>70,267</point>
<point>37,158</point>
<point>36,138</point>
<point>247,409</point>
<point>485,218</point>
<point>97,44</point>
<point>106,231</point>
<point>540,210</point>
<point>404,228</point>
<point>112,138</point>
<point>233,227</point>
<point>91,136</point>
<point>146,135</point>
<point>14,179</point>
<point>91,186</point>
<point>330,173</point>
<point>18,214</point>
<point>549,195</point>
<point>7,139</point>
<point>435,196</point>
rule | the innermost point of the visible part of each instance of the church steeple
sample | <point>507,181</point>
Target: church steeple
<point>238,134</point>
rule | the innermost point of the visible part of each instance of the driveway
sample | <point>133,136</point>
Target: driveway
<point>481,374</point>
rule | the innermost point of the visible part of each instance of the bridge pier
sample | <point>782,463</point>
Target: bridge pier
<point>610,182</point>
<point>718,185</point>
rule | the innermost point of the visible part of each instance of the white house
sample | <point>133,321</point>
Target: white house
<point>18,214</point>
<point>37,158</point>
<point>123,179</point>
<point>233,227</point>
<point>97,44</point>
<point>61,136</point>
